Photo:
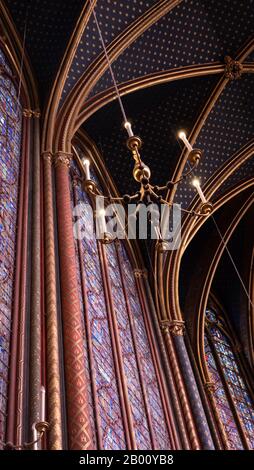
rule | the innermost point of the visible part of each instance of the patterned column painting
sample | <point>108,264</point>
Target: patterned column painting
<point>10,152</point>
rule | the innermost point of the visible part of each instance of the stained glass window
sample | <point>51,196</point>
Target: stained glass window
<point>232,396</point>
<point>120,350</point>
<point>10,142</point>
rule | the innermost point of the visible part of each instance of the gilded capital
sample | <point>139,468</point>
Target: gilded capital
<point>36,113</point>
<point>140,273</point>
<point>29,113</point>
<point>47,157</point>
<point>164,326</point>
<point>175,327</point>
<point>62,158</point>
<point>210,387</point>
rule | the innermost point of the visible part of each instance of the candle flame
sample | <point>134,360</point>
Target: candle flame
<point>195,182</point>
<point>182,135</point>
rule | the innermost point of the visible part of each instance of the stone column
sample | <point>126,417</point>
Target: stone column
<point>54,409</point>
<point>176,329</point>
<point>35,372</point>
<point>180,386</point>
<point>79,429</point>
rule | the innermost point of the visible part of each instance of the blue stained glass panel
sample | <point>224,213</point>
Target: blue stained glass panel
<point>236,385</point>
<point>10,153</point>
<point>129,324</point>
<point>110,415</point>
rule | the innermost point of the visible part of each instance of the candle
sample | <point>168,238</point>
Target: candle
<point>86,164</point>
<point>101,222</point>
<point>127,126</point>
<point>42,403</point>
<point>196,184</point>
<point>183,137</point>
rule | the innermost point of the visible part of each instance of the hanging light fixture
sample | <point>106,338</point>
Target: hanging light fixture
<point>148,193</point>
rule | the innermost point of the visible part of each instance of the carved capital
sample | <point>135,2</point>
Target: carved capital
<point>210,387</point>
<point>175,327</point>
<point>233,68</point>
<point>29,113</point>
<point>164,326</point>
<point>37,113</point>
<point>62,158</point>
<point>47,157</point>
<point>140,273</point>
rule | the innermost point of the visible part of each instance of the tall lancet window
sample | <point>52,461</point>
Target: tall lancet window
<point>234,402</point>
<point>10,142</point>
<point>127,396</point>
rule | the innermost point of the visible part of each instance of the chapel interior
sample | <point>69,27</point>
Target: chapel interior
<point>126,343</point>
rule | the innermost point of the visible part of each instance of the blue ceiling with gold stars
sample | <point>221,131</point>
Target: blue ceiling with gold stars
<point>194,32</point>
<point>114,16</point>
<point>49,27</point>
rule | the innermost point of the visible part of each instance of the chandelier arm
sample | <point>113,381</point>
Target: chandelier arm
<point>185,175</point>
<point>194,213</point>
<point>130,198</point>
<point>171,183</point>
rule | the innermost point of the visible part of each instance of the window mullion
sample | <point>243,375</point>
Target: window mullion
<point>117,352</point>
<point>228,393</point>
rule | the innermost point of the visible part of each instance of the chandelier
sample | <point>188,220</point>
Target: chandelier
<point>148,193</point>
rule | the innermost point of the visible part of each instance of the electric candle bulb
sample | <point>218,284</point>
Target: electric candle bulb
<point>42,403</point>
<point>183,137</point>
<point>86,164</point>
<point>196,184</point>
<point>101,221</point>
<point>127,126</point>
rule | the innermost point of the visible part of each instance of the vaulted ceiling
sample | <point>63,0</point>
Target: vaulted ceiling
<point>48,24</point>
<point>168,58</point>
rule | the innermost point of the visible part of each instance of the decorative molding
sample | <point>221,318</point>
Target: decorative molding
<point>233,68</point>
<point>63,158</point>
